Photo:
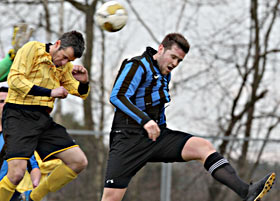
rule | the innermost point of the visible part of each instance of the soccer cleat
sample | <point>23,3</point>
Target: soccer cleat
<point>26,196</point>
<point>260,188</point>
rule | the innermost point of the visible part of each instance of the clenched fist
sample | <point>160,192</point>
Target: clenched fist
<point>152,129</point>
<point>59,92</point>
<point>80,73</point>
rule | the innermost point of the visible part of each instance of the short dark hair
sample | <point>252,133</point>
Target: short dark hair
<point>178,39</point>
<point>4,89</point>
<point>75,40</point>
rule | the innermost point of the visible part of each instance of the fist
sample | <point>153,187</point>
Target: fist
<point>80,73</point>
<point>152,129</point>
<point>59,92</point>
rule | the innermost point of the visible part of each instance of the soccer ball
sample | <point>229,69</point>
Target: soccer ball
<point>111,16</point>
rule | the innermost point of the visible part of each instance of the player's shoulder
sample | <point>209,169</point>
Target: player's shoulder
<point>33,43</point>
<point>139,60</point>
<point>35,46</point>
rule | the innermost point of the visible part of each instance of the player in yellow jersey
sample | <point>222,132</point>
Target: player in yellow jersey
<point>39,74</point>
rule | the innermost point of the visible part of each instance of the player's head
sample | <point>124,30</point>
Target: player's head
<point>3,95</point>
<point>75,40</point>
<point>67,48</point>
<point>171,52</point>
<point>175,39</point>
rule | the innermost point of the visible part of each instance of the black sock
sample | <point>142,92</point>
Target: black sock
<point>223,172</point>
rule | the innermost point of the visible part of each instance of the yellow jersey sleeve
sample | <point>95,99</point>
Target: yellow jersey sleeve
<point>17,79</point>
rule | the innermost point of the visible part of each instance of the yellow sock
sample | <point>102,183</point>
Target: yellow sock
<point>7,189</point>
<point>59,177</point>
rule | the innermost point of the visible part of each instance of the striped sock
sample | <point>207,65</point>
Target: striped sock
<point>223,172</point>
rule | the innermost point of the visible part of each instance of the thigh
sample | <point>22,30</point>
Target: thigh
<point>113,194</point>
<point>169,145</point>
<point>197,149</point>
<point>72,155</point>
<point>129,152</point>
<point>20,132</point>
<point>53,140</point>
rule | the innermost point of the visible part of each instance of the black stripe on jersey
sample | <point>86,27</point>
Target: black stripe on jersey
<point>148,91</point>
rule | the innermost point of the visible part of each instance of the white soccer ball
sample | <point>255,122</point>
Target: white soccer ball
<point>111,16</point>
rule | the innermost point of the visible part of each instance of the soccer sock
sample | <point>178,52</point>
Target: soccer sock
<point>223,172</point>
<point>7,189</point>
<point>59,177</point>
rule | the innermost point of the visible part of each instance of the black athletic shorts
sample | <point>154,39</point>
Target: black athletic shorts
<point>131,149</point>
<point>26,131</point>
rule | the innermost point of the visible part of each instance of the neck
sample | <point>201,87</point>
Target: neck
<point>51,49</point>
<point>155,56</point>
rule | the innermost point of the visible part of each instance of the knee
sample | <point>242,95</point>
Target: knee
<point>83,163</point>
<point>205,149</point>
<point>15,175</point>
<point>80,164</point>
<point>207,146</point>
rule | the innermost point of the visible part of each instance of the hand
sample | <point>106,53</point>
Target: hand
<point>59,92</point>
<point>152,129</point>
<point>80,73</point>
<point>35,175</point>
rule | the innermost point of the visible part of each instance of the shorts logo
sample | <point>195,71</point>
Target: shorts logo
<point>110,181</point>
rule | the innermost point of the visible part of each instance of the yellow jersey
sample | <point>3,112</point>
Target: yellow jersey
<point>33,66</point>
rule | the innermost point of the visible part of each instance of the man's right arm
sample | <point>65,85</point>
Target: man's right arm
<point>21,66</point>
<point>125,86</point>
<point>59,92</point>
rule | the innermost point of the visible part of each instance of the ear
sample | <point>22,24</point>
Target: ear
<point>160,49</point>
<point>57,44</point>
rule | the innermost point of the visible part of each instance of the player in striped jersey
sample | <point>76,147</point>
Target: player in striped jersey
<point>139,133</point>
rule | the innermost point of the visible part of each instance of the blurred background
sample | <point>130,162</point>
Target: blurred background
<point>226,89</point>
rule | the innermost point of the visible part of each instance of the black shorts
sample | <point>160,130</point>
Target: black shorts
<point>131,149</point>
<point>26,131</point>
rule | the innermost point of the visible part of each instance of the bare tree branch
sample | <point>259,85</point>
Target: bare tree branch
<point>142,22</point>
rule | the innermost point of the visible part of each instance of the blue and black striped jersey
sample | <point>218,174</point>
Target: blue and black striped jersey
<point>140,91</point>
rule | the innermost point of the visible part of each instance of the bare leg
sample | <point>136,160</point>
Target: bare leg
<point>197,149</point>
<point>113,194</point>
<point>74,158</point>
<point>16,170</point>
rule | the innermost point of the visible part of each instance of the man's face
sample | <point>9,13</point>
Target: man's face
<point>61,56</point>
<point>3,96</point>
<point>168,59</point>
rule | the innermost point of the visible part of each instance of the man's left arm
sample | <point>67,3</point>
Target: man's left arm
<point>76,81</point>
<point>80,73</point>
